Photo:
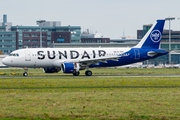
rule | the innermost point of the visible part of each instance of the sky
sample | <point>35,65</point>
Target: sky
<point>109,17</point>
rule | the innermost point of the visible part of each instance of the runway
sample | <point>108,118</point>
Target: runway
<point>93,76</point>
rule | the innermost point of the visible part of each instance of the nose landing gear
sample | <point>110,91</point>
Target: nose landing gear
<point>25,73</point>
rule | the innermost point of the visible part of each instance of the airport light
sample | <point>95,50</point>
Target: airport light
<point>179,19</point>
<point>170,18</point>
<point>40,22</point>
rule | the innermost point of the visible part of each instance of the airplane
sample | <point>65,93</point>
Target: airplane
<point>72,60</point>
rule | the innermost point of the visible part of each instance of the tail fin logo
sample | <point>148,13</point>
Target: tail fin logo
<point>155,36</point>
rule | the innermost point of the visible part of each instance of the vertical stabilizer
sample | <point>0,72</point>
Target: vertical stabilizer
<point>152,38</point>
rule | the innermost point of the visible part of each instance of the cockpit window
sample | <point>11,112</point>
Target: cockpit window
<point>14,54</point>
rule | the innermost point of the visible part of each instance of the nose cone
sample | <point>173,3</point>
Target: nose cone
<point>5,61</point>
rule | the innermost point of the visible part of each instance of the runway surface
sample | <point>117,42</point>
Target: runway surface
<point>93,76</point>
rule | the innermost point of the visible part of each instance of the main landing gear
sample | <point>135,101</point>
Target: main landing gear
<point>25,72</point>
<point>76,73</point>
<point>87,73</point>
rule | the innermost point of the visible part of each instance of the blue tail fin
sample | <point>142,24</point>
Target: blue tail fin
<point>152,38</point>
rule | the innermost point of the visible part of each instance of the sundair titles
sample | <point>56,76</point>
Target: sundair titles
<point>73,54</point>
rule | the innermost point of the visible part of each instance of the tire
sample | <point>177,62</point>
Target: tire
<point>76,73</point>
<point>25,74</point>
<point>88,73</point>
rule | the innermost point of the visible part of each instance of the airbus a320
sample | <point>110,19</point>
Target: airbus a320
<point>72,60</point>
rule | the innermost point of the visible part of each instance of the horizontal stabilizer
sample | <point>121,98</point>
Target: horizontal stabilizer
<point>153,53</point>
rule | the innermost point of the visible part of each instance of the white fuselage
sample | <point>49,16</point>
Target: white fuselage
<point>46,57</point>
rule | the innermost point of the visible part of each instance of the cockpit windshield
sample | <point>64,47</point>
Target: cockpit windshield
<point>14,54</point>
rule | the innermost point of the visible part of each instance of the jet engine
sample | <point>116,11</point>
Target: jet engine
<point>51,70</point>
<point>70,67</point>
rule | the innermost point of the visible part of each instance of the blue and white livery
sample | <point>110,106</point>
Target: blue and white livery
<point>72,60</point>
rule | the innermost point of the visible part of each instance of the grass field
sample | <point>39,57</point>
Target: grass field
<point>90,98</point>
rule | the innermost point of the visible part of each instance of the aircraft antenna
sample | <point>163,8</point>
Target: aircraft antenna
<point>123,32</point>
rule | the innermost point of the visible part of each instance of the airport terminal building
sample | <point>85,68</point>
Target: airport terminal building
<point>18,37</point>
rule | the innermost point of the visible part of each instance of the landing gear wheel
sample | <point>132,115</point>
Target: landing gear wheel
<point>76,73</point>
<point>25,74</point>
<point>88,73</point>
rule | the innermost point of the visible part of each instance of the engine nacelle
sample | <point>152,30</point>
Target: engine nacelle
<point>70,67</point>
<point>51,70</point>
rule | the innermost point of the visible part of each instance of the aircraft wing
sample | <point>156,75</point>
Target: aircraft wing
<point>87,62</point>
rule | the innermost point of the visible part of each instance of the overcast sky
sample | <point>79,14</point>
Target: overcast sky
<point>108,17</point>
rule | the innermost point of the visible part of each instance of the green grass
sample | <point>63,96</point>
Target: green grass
<point>98,71</point>
<point>78,82</point>
<point>90,98</point>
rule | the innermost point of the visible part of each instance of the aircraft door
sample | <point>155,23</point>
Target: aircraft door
<point>27,55</point>
<point>137,54</point>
